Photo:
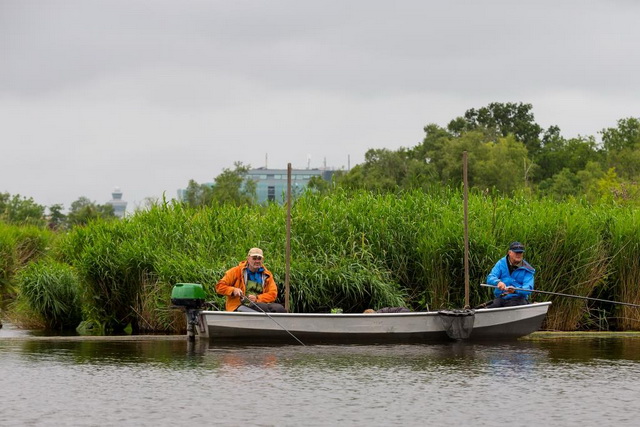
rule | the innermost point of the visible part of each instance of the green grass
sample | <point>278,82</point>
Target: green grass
<point>51,291</point>
<point>358,250</point>
<point>19,245</point>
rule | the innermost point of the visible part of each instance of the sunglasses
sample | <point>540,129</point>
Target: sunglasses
<point>255,258</point>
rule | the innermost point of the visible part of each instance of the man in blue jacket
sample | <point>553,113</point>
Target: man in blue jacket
<point>509,273</point>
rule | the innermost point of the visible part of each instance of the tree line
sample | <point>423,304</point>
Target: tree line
<point>508,152</point>
<point>21,210</point>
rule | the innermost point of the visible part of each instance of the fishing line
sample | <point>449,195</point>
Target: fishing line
<point>567,295</point>
<point>269,316</point>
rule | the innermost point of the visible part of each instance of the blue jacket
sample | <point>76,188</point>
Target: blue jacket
<point>522,277</point>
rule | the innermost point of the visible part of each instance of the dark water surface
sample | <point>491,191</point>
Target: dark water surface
<point>165,381</point>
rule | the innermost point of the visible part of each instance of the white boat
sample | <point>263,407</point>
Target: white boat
<point>506,323</point>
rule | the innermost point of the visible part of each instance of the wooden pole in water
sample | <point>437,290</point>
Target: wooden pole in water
<point>287,250</point>
<point>466,230</point>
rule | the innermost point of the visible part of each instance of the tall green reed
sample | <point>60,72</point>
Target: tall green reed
<point>564,245</point>
<point>50,290</point>
<point>624,235</point>
<point>19,245</point>
<point>349,250</point>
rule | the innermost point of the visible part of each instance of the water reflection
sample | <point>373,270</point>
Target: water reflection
<point>103,352</point>
<point>165,381</point>
<point>132,351</point>
<point>586,349</point>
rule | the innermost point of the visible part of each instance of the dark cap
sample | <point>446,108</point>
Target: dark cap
<point>516,247</point>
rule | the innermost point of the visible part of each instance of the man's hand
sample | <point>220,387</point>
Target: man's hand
<point>510,289</point>
<point>502,286</point>
<point>237,292</point>
<point>252,298</point>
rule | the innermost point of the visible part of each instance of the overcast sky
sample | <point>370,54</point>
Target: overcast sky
<point>146,95</point>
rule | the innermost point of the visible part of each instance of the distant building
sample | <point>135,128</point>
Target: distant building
<point>271,184</point>
<point>119,205</point>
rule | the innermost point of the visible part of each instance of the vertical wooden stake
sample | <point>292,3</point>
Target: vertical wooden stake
<point>466,230</point>
<point>287,250</point>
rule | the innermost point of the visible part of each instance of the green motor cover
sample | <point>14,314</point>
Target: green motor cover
<point>190,295</point>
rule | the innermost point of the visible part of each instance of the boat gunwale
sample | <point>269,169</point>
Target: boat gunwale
<point>370,315</point>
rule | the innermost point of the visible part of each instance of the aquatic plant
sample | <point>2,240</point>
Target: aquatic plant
<point>355,250</point>
<point>51,291</point>
<point>19,245</point>
<point>563,243</point>
<point>624,239</point>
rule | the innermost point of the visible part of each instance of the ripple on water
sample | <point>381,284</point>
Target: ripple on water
<point>167,382</point>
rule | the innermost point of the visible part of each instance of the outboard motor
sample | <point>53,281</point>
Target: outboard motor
<point>189,297</point>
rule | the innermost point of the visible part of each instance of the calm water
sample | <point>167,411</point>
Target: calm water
<point>145,381</point>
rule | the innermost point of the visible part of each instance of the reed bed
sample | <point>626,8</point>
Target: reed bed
<point>19,245</point>
<point>624,236</point>
<point>564,245</point>
<point>50,290</point>
<point>357,250</point>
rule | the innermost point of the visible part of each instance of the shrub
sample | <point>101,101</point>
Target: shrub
<point>50,289</point>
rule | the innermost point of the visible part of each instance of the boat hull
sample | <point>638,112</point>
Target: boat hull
<point>506,323</point>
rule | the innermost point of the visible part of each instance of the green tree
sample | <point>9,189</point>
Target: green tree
<point>57,220</point>
<point>574,154</point>
<point>609,186</point>
<point>622,145</point>
<point>84,210</point>
<point>499,165</point>
<point>198,194</point>
<point>20,210</point>
<point>589,178</point>
<point>434,140</point>
<point>626,163</point>
<point>430,150</point>
<point>352,179</point>
<point>317,183</point>
<point>232,187</point>
<point>506,166</point>
<point>387,170</point>
<point>450,158</point>
<point>499,120</point>
<point>561,185</point>
<point>625,135</point>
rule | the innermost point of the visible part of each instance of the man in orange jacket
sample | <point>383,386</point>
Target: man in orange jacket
<point>252,282</point>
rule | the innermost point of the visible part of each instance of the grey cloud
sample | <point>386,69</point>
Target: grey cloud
<point>361,47</point>
<point>148,94</point>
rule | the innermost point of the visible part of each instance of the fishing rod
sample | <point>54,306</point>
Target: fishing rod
<point>269,316</point>
<point>567,295</point>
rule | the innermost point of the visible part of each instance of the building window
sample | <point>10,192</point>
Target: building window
<point>271,193</point>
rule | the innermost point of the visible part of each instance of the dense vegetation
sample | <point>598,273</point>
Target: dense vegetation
<point>389,232</point>
<point>350,250</point>
<point>20,210</point>
<point>509,152</point>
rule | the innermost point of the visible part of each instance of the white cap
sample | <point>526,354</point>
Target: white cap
<point>255,252</point>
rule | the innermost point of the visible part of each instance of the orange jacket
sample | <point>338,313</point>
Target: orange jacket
<point>236,277</point>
